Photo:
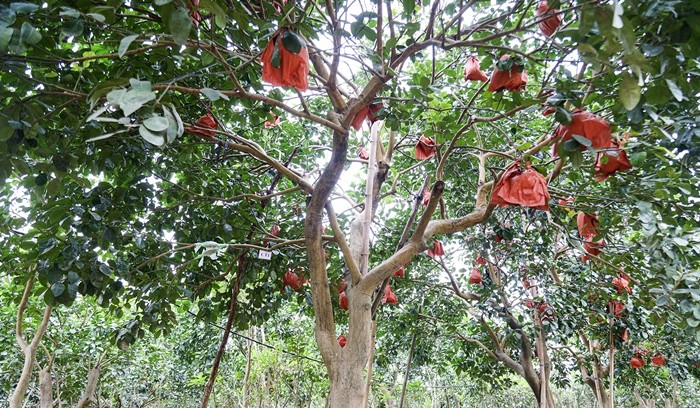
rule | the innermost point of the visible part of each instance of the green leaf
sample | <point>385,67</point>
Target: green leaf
<point>582,140</point>
<point>156,123</point>
<point>138,85</point>
<point>72,291</point>
<point>162,2</point>
<point>72,28</point>
<point>662,300</point>
<point>213,94</point>
<point>180,25</point>
<point>563,116</point>
<point>218,12</point>
<point>23,8</point>
<point>105,270</point>
<point>675,90</point>
<point>124,44</point>
<point>105,136</point>
<point>57,289</point>
<point>29,35</point>
<point>47,245</point>
<point>5,37</point>
<point>630,92</point>
<point>54,275</point>
<point>409,7</point>
<point>73,277</point>
<point>637,158</point>
<point>132,100</point>
<point>292,42</point>
<point>571,145</point>
<point>172,131</point>
<point>576,159</point>
<point>276,59</point>
<point>151,137</point>
<point>7,16</point>
<point>69,12</point>
<point>97,16</point>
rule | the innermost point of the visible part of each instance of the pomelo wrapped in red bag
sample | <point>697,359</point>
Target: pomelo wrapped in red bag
<point>343,301</point>
<point>475,277</point>
<point>526,188</point>
<point>362,153</point>
<point>622,284</point>
<point>342,341</point>
<point>472,71</point>
<point>611,161</point>
<point>367,113</point>
<point>587,125</point>
<point>286,60</point>
<point>436,250</point>
<point>636,362</point>
<point>206,121</point>
<point>389,296</point>
<point>549,25</point>
<point>658,360</point>
<point>587,224</point>
<point>425,148</point>
<point>291,279</point>
<point>511,76</point>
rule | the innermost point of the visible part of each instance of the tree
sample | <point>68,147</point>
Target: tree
<point>144,163</point>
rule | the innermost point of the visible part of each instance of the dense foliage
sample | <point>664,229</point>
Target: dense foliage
<point>156,191</point>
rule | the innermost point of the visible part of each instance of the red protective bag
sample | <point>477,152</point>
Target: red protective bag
<point>399,273</point>
<point>472,71</point>
<point>343,301</point>
<point>636,362</point>
<point>206,121</point>
<point>475,277</point>
<point>585,124</point>
<point>587,224</point>
<point>549,25</point>
<point>658,360</point>
<point>511,80</point>
<point>436,250</point>
<point>362,153</point>
<point>526,188</point>
<point>425,148</point>
<point>614,162</point>
<point>293,69</point>
<point>389,296</point>
<point>292,280</point>
<point>367,113</point>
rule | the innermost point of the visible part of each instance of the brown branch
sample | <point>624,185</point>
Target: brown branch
<point>342,243</point>
<point>259,98</point>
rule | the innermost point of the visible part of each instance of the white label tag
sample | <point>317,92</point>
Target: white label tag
<point>265,255</point>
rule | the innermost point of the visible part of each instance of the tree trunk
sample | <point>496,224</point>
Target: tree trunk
<point>89,394</point>
<point>370,363</point>
<point>347,388</point>
<point>408,368</point>
<point>348,367</point>
<point>246,376</point>
<point>28,349</point>
<point>45,387</point>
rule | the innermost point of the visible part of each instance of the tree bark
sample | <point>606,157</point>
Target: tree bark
<point>370,363</point>
<point>27,349</point>
<point>89,394</point>
<point>45,387</point>
<point>408,368</point>
<point>246,376</point>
